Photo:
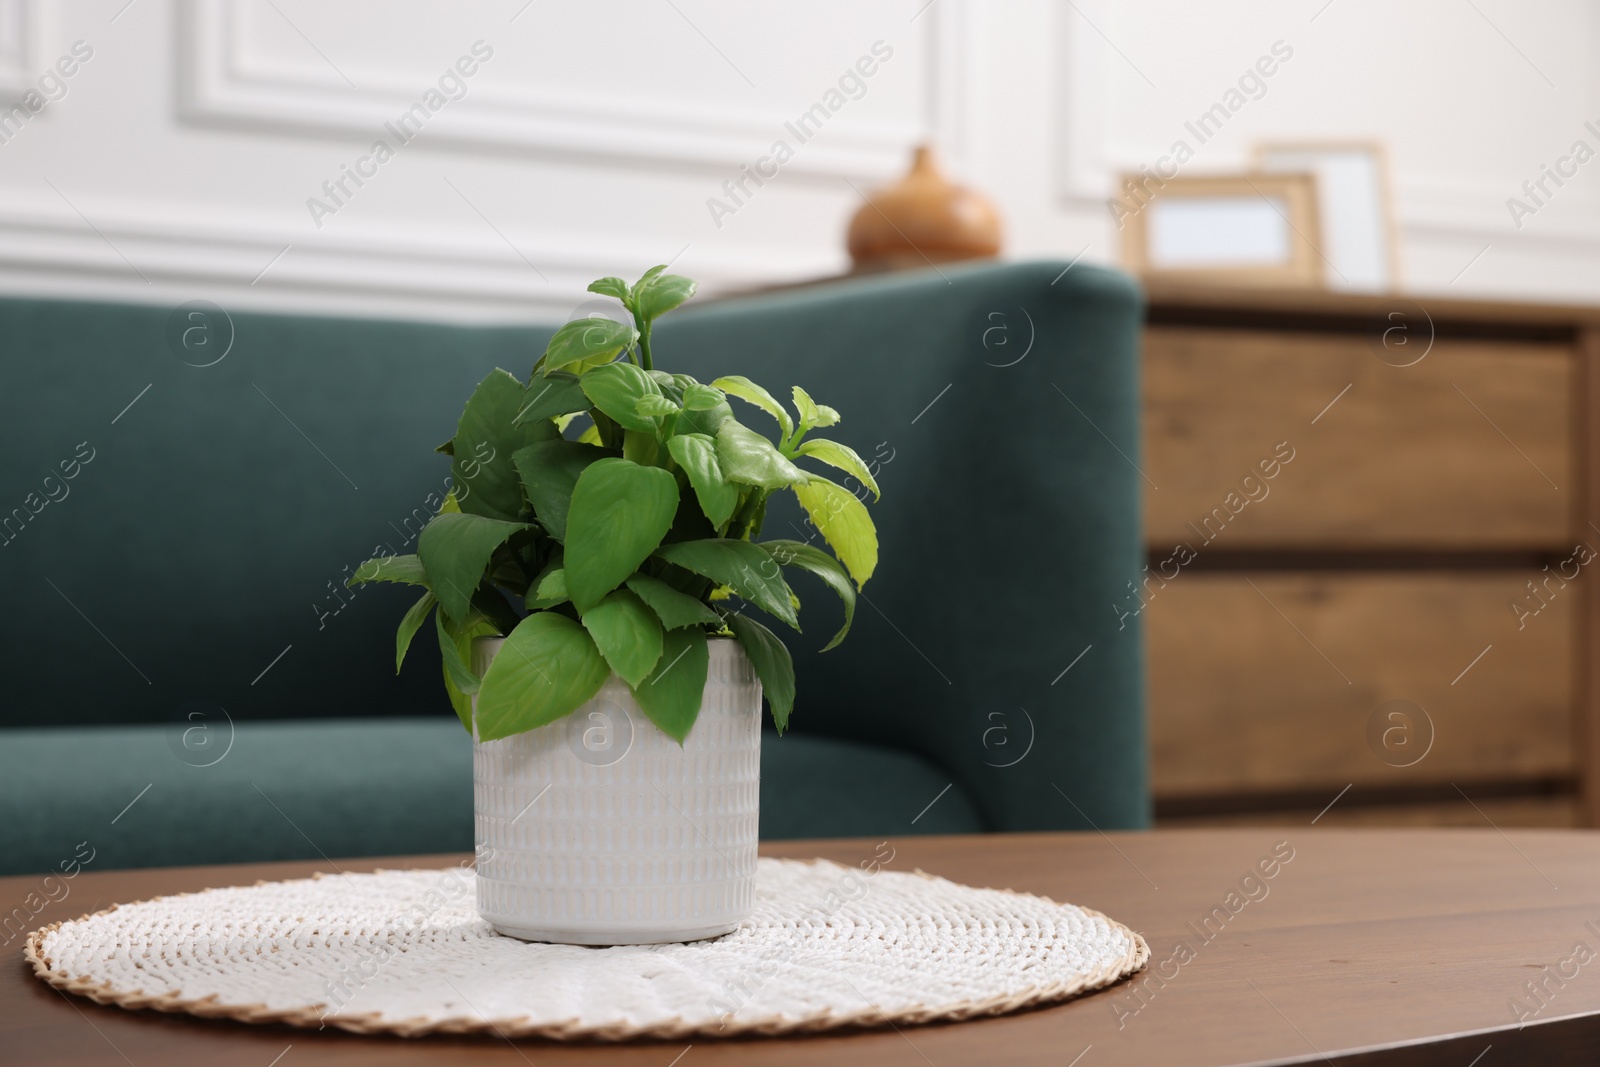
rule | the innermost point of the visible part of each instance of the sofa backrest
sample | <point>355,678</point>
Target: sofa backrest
<point>173,532</point>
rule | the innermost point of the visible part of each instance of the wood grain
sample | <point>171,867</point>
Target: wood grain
<point>1375,947</point>
<point>1267,681</point>
<point>1472,447</point>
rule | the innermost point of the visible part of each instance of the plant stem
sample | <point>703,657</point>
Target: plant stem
<point>644,348</point>
<point>788,445</point>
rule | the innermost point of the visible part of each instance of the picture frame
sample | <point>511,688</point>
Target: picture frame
<point>1249,228</point>
<point>1355,206</point>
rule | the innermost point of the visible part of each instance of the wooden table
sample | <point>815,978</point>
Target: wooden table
<point>1365,947</point>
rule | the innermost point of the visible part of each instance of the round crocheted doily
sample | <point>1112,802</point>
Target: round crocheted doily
<point>404,952</point>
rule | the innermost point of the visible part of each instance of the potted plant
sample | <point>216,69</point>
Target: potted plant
<point>587,578</point>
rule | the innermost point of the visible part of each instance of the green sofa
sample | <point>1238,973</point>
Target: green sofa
<point>189,681</point>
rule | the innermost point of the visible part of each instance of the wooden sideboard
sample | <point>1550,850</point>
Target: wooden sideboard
<point>1347,498</point>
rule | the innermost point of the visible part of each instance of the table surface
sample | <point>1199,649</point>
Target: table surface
<point>1363,947</point>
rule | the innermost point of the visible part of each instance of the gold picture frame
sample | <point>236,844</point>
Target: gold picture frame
<point>1265,228</point>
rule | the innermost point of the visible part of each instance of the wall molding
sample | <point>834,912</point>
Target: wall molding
<point>20,33</point>
<point>152,250</point>
<point>143,253</point>
<point>216,87</point>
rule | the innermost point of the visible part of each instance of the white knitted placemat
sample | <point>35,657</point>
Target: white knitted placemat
<point>405,952</point>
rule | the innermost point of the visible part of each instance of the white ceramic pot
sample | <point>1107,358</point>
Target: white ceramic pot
<point>599,830</point>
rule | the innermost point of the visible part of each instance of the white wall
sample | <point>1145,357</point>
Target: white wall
<point>1470,97</point>
<point>180,160</point>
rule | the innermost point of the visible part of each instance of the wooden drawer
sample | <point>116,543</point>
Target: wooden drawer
<point>1245,699</point>
<point>1406,457</point>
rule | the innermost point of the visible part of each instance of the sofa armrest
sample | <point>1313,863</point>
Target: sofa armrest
<point>1001,404</point>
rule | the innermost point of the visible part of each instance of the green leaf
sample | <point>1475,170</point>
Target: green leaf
<point>671,695</point>
<point>551,396</point>
<point>620,512</point>
<point>808,558</point>
<point>610,433</point>
<point>547,668</point>
<point>843,457</point>
<point>844,523</point>
<point>705,420</point>
<point>549,589</point>
<point>641,447</point>
<point>772,663</point>
<point>455,649</point>
<point>812,414</point>
<point>697,455</point>
<point>448,448</point>
<point>549,472</point>
<point>612,286</point>
<point>745,456</point>
<point>455,550</point>
<point>407,570</point>
<point>616,389</point>
<point>455,652</point>
<point>651,406</point>
<point>697,397</point>
<point>742,566</point>
<point>673,608</point>
<point>627,634</point>
<point>596,338</point>
<point>460,703</point>
<point>751,393</point>
<point>660,294</point>
<point>646,276</point>
<point>485,478</point>
<point>409,625</point>
<point>806,407</point>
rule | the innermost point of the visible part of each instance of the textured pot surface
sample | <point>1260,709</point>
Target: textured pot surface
<point>599,830</point>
